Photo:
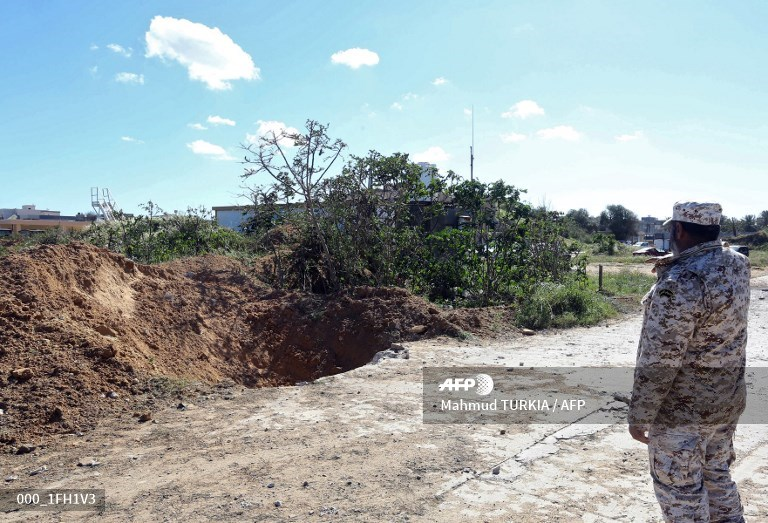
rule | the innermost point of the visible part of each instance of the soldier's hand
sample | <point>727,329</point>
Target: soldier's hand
<point>638,432</point>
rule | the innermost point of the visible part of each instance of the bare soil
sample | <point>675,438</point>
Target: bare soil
<point>350,446</point>
<point>86,335</point>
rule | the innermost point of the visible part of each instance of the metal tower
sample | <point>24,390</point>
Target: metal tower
<point>103,204</point>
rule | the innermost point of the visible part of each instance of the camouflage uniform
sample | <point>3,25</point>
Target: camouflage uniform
<point>689,388</point>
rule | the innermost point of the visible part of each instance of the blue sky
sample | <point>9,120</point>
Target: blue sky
<point>583,103</point>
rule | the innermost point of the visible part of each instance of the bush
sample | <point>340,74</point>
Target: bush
<point>156,237</point>
<point>151,238</point>
<point>562,305</point>
<point>54,236</point>
<point>604,244</point>
<point>447,270</point>
<point>377,223</point>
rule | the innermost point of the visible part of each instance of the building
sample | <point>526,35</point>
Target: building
<point>232,216</point>
<point>30,220</point>
<point>427,172</point>
<point>652,229</point>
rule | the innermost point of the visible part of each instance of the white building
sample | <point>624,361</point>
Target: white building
<point>652,229</point>
<point>232,216</point>
<point>427,171</point>
<point>27,212</point>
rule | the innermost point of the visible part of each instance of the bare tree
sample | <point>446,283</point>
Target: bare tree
<point>298,162</point>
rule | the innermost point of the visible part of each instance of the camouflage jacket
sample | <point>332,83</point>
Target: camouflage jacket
<point>692,350</point>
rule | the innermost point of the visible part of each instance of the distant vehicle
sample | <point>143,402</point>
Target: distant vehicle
<point>642,244</point>
<point>649,251</point>
<point>741,249</point>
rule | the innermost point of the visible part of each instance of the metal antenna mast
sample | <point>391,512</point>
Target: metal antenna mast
<point>472,149</point>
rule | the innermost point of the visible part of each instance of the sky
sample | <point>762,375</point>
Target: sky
<point>582,103</point>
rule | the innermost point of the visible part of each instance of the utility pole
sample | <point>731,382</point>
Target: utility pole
<point>472,149</point>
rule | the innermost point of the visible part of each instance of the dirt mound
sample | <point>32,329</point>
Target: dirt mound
<point>85,332</point>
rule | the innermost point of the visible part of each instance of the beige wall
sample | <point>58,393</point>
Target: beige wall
<point>31,225</point>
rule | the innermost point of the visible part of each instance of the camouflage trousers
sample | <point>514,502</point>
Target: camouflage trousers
<point>690,467</point>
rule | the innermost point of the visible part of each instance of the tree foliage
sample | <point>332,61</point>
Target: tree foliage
<point>580,218</point>
<point>763,219</point>
<point>298,164</point>
<point>620,221</point>
<point>157,237</point>
<point>377,223</point>
<point>750,223</point>
<point>604,244</point>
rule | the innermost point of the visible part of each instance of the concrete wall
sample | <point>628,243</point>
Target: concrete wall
<point>230,218</point>
<point>8,227</point>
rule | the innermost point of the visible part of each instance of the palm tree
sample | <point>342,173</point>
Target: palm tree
<point>750,223</point>
<point>764,219</point>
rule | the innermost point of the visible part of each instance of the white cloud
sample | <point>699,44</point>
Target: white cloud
<point>407,97</point>
<point>272,128</point>
<point>434,154</point>
<point>523,109</point>
<point>197,126</point>
<point>637,135</point>
<point>94,47</point>
<point>561,132</point>
<point>209,55</point>
<point>366,108</point>
<point>119,49</point>
<point>439,81</point>
<point>129,78</point>
<point>94,70</point>
<point>131,139</point>
<point>355,58</point>
<point>218,120</point>
<point>209,149</point>
<point>467,112</point>
<point>513,138</point>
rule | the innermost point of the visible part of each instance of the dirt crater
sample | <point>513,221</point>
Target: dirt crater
<point>84,331</point>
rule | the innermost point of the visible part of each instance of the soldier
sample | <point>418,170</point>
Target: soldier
<point>689,388</point>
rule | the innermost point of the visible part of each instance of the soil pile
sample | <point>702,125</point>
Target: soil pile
<point>83,332</point>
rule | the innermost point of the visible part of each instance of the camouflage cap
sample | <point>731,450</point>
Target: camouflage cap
<point>695,212</point>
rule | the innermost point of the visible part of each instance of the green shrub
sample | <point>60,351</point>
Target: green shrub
<point>562,305</point>
<point>378,223</point>
<point>604,244</point>
<point>156,237</point>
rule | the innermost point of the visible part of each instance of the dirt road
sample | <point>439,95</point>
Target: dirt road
<point>353,447</point>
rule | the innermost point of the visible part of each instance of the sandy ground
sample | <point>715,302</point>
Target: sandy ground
<point>352,447</point>
<point>613,267</point>
<point>647,267</point>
